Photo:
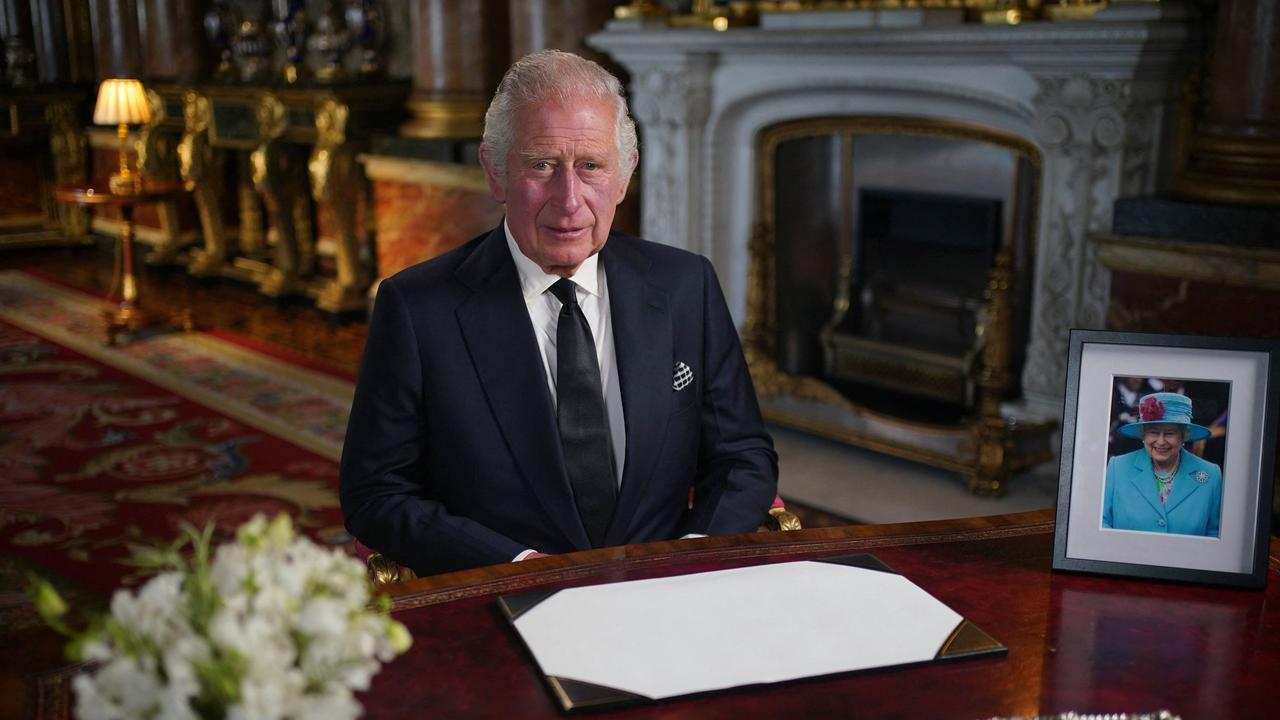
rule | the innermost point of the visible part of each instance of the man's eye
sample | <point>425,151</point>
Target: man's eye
<point>590,166</point>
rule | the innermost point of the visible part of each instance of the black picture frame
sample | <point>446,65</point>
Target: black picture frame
<point>1083,542</point>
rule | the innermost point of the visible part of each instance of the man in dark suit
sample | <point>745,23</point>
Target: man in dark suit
<point>504,412</point>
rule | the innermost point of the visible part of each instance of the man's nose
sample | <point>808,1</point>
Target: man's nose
<point>568,190</point>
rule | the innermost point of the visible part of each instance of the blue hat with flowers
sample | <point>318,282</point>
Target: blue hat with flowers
<point>1165,408</point>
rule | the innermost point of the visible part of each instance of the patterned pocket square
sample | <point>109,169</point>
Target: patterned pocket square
<point>683,376</point>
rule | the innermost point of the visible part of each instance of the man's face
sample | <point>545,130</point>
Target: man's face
<point>563,181</point>
<point>1162,442</point>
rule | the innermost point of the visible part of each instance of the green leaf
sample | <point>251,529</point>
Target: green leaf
<point>48,603</point>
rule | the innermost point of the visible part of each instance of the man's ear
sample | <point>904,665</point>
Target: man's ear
<point>497,183</point>
<point>626,181</point>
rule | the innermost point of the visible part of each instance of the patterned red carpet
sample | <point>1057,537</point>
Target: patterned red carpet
<point>102,447</point>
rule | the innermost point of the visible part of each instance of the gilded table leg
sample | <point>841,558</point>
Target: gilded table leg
<point>154,161</point>
<point>201,166</point>
<point>252,240</point>
<point>210,259</point>
<point>335,185</point>
<point>166,252</point>
<point>271,170</point>
<point>303,231</point>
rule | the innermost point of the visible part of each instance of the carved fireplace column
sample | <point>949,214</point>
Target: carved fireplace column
<point>672,100</point>
<point>1234,153</point>
<point>1096,136</point>
<point>460,53</point>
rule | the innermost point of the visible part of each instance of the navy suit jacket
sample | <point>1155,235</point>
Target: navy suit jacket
<point>452,457</point>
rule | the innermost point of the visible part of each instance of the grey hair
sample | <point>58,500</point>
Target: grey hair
<point>556,76</point>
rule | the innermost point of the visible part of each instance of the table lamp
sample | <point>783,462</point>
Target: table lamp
<point>122,102</point>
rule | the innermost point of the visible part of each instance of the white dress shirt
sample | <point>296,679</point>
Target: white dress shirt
<point>544,313</point>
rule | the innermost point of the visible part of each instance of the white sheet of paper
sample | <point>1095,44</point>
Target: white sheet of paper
<point>710,631</point>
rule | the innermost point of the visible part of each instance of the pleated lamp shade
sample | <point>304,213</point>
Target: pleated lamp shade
<point>121,101</point>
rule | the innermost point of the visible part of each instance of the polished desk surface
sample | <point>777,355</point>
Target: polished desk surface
<point>1076,642</point>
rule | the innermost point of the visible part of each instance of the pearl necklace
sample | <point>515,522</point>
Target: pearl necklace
<point>1164,481</point>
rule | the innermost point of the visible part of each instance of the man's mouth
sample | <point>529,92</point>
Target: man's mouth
<point>566,233</point>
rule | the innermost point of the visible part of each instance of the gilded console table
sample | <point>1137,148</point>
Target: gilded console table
<point>296,150</point>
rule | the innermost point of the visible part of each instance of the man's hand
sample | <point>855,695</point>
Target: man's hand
<point>532,555</point>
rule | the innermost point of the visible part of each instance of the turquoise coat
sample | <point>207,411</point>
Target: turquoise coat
<point>1133,503</point>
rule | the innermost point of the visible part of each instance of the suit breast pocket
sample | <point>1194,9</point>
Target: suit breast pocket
<point>686,399</point>
<point>687,387</point>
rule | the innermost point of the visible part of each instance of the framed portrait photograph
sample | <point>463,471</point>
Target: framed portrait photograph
<point>1168,457</point>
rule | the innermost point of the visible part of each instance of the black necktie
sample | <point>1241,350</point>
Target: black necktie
<point>584,427</point>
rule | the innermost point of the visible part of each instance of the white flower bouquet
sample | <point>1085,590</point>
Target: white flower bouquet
<point>273,627</point>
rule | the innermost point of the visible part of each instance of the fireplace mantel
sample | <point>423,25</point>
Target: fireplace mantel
<point>1096,99</point>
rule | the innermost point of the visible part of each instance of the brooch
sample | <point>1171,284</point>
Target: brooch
<point>1201,477</point>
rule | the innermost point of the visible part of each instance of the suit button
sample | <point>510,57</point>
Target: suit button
<point>1160,522</point>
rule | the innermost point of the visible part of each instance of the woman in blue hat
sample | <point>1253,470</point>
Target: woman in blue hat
<point>1162,487</point>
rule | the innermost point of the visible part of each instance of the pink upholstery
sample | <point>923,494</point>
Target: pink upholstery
<point>362,551</point>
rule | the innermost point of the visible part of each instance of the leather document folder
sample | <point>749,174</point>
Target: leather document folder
<point>647,640</point>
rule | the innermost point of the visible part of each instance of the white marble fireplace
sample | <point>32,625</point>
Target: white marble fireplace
<point>1096,99</point>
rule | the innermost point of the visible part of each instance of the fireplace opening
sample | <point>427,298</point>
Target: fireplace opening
<point>883,241</point>
<point>922,267</point>
<point>917,288</point>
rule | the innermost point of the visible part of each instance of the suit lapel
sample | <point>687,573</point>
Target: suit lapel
<point>1145,482</point>
<point>643,346</point>
<point>1184,485</point>
<point>495,326</point>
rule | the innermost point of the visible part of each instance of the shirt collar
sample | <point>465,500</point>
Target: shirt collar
<point>534,282</point>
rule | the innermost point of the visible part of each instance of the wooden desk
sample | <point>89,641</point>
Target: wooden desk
<point>1081,643</point>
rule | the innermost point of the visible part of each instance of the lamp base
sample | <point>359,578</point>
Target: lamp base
<point>125,183</point>
<point>126,321</point>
